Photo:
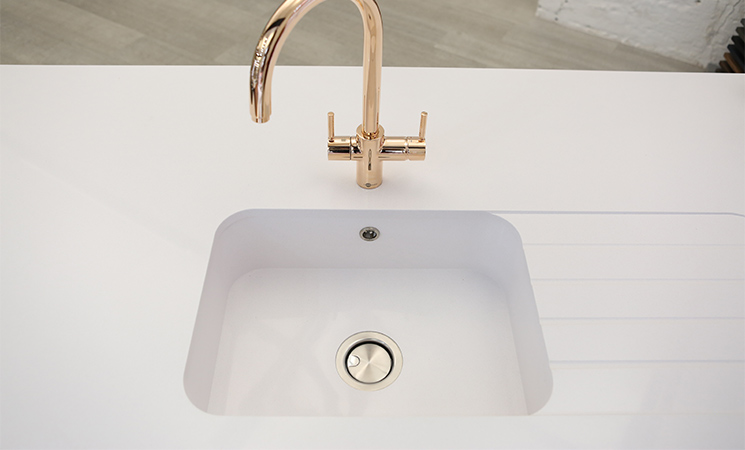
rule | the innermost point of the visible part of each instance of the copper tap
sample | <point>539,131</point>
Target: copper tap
<point>369,146</point>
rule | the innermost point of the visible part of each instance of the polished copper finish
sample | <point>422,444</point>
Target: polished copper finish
<point>369,147</point>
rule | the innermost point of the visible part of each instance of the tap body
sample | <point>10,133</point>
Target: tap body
<point>369,146</point>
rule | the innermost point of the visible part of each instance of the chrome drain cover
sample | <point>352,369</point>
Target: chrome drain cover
<point>369,361</point>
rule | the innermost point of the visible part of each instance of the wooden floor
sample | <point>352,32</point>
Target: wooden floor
<point>434,33</point>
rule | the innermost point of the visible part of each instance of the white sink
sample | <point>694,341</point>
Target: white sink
<point>285,288</point>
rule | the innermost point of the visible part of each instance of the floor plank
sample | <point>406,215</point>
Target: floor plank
<point>419,33</point>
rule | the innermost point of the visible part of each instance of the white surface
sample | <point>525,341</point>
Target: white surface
<point>114,180</point>
<point>524,140</point>
<point>285,288</point>
<point>693,31</point>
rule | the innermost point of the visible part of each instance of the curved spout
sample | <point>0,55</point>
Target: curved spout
<point>276,32</point>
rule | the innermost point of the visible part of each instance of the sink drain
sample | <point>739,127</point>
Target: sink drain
<point>369,361</point>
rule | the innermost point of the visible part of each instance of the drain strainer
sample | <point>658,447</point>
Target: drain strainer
<point>369,361</point>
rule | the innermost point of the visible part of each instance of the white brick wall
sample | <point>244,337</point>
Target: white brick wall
<point>695,31</point>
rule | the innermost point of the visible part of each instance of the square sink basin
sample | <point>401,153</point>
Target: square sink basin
<point>367,313</point>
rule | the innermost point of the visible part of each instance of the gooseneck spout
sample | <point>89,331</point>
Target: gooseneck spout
<point>369,146</point>
<point>273,37</point>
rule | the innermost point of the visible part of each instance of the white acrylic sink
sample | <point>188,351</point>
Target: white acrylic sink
<point>285,288</point>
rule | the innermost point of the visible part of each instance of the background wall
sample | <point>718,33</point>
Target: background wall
<point>694,31</point>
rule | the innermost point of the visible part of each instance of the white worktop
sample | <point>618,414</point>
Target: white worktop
<point>628,190</point>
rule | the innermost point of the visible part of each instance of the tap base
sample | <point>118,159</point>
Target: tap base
<point>369,165</point>
<point>370,152</point>
<point>368,179</point>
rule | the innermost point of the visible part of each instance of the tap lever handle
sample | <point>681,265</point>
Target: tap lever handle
<point>331,126</point>
<point>422,125</point>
